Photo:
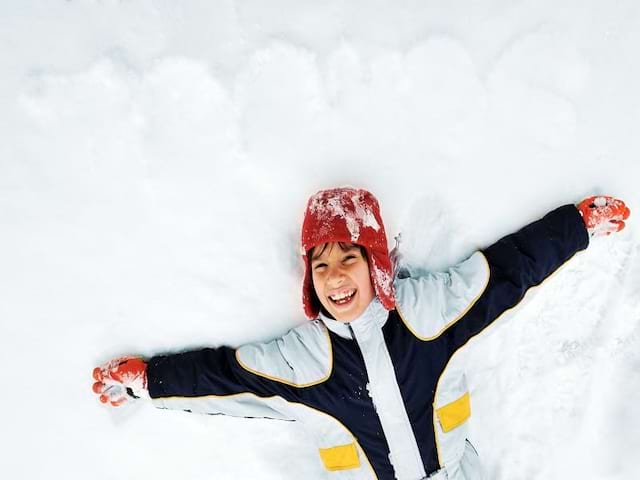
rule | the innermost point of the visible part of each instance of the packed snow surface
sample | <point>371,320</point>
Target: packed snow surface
<point>155,161</point>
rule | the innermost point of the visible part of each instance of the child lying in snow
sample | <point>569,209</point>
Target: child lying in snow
<point>370,376</point>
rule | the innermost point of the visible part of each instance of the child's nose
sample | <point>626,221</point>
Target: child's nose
<point>336,276</point>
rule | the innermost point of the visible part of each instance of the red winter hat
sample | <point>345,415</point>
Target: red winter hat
<point>349,215</point>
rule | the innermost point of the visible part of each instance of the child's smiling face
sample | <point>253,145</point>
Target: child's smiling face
<point>341,280</point>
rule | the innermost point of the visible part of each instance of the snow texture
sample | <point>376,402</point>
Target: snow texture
<point>155,162</point>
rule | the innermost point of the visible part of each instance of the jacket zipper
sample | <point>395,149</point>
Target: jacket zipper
<point>364,364</point>
<point>353,335</point>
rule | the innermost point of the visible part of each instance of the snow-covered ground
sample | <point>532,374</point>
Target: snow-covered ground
<point>155,158</point>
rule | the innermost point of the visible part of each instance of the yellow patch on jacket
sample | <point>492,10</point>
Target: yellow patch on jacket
<point>342,457</point>
<point>455,413</point>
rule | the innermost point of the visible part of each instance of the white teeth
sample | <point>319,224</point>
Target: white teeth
<point>342,295</point>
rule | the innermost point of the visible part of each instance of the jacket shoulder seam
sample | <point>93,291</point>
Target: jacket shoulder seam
<point>445,327</point>
<point>284,380</point>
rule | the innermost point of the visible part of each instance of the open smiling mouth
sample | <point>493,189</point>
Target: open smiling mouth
<point>343,298</point>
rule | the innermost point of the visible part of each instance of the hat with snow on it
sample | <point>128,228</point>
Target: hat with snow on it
<point>349,215</point>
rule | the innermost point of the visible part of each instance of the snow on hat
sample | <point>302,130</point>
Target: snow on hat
<point>350,215</point>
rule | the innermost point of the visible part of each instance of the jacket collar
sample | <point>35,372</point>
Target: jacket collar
<point>375,315</point>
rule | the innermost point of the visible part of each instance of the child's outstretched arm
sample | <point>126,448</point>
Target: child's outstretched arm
<point>255,380</point>
<point>207,381</point>
<point>456,305</point>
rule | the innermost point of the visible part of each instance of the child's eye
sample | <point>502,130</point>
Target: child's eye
<point>349,257</point>
<point>319,266</point>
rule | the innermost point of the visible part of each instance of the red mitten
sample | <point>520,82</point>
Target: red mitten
<point>603,215</point>
<point>121,380</point>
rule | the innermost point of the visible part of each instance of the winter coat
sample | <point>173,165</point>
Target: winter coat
<point>381,396</point>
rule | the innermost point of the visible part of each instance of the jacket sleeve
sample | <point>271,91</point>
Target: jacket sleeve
<point>471,295</point>
<point>256,380</point>
<point>212,381</point>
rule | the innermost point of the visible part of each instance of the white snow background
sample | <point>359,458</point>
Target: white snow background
<point>155,159</point>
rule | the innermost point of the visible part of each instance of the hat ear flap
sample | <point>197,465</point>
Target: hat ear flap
<point>310,300</point>
<point>381,272</point>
